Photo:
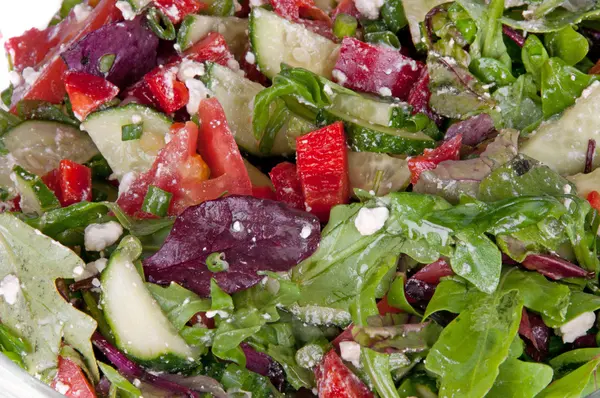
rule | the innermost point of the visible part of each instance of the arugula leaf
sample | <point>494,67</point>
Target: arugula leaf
<point>22,247</point>
<point>8,121</point>
<point>297,376</point>
<point>178,303</point>
<point>118,381</point>
<point>470,350</point>
<point>580,382</point>
<point>571,360</point>
<point>402,338</point>
<point>561,86</point>
<point>13,346</point>
<point>520,379</point>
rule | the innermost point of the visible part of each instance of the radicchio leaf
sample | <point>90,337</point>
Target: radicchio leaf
<point>420,287</point>
<point>474,130</point>
<point>263,364</point>
<point>536,334</point>
<point>131,43</point>
<point>253,235</point>
<point>432,273</point>
<point>554,267</point>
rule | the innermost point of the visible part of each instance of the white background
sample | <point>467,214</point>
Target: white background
<point>16,16</point>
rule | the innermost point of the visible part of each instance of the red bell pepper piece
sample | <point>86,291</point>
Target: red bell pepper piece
<point>87,92</point>
<point>70,376</point>
<point>287,185</point>
<point>170,93</point>
<point>419,97</point>
<point>40,51</point>
<point>594,199</point>
<point>385,308</point>
<point>322,163</point>
<point>212,48</point>
<point>52,181</point>
<point>176,10</point>
<point>140,93</point>
<point>448,150</point>
<point>71,182</point>
<point>375,69</point>
<point>335,380</point>
<point>263,192</point>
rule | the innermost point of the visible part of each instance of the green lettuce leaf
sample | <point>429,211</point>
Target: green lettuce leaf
<point>518,379</point>
<point>580,382</point>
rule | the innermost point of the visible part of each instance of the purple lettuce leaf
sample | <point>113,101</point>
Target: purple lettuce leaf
<point>554,267</point>
<point>264,365</point>
<point>253,235</point>
<point>132,44</point>
<point>536,335</point>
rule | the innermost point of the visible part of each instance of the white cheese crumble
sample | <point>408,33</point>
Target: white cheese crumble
<point>369,8</point>
<point>96,282</point>
<point>250,58</point>
<point>212,314</point>
<point>136,119</point>
<point>10,288</point>
<point>126,182</point>
<point>15,78</point>
<point>188,69</point>
<point>350,351</point>
<point>385,92</point>
<point>126,10</point>
<point>237,226</point>
<point>198,91</point>
<point>30,75</point>
<point>339,76</point>
<point>369,221</point>
<point>89,270</point>
<point>82,11</point>
<point>98,237</point>
<point>306,231</point>
<point>61,388</point>
<point>577,327</point>
<point>258,3</point>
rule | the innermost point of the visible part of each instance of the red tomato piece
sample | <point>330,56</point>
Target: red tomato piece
<point>322,163</point>
<point>448,150</point>
<point>176,10</point>
<point>594,199</point>
<point>432,273</point>
<point>70,376</point>
<point>287,185</point>
<point>263,193</point>
<point>375,69</point>
<point>178,169</point>
<point>385,308</point>
<point>419,97</point>
<point>294,9</point>
<point>212,48</point>
<point>87,92</point>
<point>346,7</point>
<point>75,183</point>
<point>170,93</point>
<point>49,86</point>
<point>335,380</point>
<point>52,181</point>
<point>140,93</point>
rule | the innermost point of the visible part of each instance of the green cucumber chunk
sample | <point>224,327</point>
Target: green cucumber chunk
<point>36,197</point>
<point>105,129</point>
<point>141,329</point>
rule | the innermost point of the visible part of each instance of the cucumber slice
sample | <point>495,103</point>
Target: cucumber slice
<point>104,127</point>
<point>275,40</point>
<point>140,327</point>
<point>39,146</point>
<point>368,108</point>
<point>366,137</point>
<point>196,27</point>
<point>36,197</point>
<point>377,172</point>
<point>236,95</point>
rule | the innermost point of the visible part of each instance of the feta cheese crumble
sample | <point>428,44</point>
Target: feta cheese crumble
<point>339,76</point>
<point>82,11</point>
<point>250,58</point>
<point>369,8</point>
<point>10,288</point>
<point>126,10</point>
<point>577,327</point>
<point>385,92</point>
<point>61,387</point>
<point>30,75</point>
<point>306,231</point>
<point>126,182</point>
<point>98,237</point>
<point>350,351</point>
<point>15,78</point>
<point>369,221</point>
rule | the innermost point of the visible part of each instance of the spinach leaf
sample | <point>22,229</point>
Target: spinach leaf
<point>520,379</point>
<point>297,376</point>
<point>567,44</point>
<point>580,382</point>
<point>561,86</point>
<point>571,360</point>
<point>534,56</point>
<point>579,303</point>
<point>178,303</point>
<point>477,259</point>
<point>470,350</point>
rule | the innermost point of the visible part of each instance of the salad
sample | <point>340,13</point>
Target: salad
<point>268,198</point>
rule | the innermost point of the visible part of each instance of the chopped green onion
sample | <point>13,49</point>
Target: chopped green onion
<point>160,24</point>
<point>106,62</point>
<point>157,201</point>
<point>221,8</point>
<point>344,25</point>
<point>386,38</point>
<point>132,131</point>
<point>215,262</point>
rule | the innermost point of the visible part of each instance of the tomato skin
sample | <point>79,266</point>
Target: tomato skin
<point>385,308</point>
<point>212,48</point>
<point>70,375</point>
<point>594,199</point>
<point>49,86</point>
<point>87,92</point>
<point>376,69</point>
<point>176,10</point>
<point>448,150</point>
<point>287,185</point>
<point>335,380</point>
<point>263,193</point>
<point>322,163</point>
<point>170,93</point>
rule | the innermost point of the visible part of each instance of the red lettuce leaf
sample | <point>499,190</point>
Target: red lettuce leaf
<point>263,364</point>
<point>554,267</point>
<point>253,234</point>
<point>474,130</point>
<point>536,334</point>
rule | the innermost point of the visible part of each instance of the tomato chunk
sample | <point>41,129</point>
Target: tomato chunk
<point>178,169</point>
<point>287,185</point>
<point>448,150</point>
<point>375,69</point>
<point>594,199</point>
<point>176,10</point>
<point>335,380</point>
<point>293,10</point>
<point>87,92</point>
<point>71,182</point>
<point>71,381</point>
<point>170,93</point>
<point>263,192</point>
<point>322,162</point>
<point>212,48</point>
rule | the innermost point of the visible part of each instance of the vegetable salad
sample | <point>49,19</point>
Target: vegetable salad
<point>269,198</point>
